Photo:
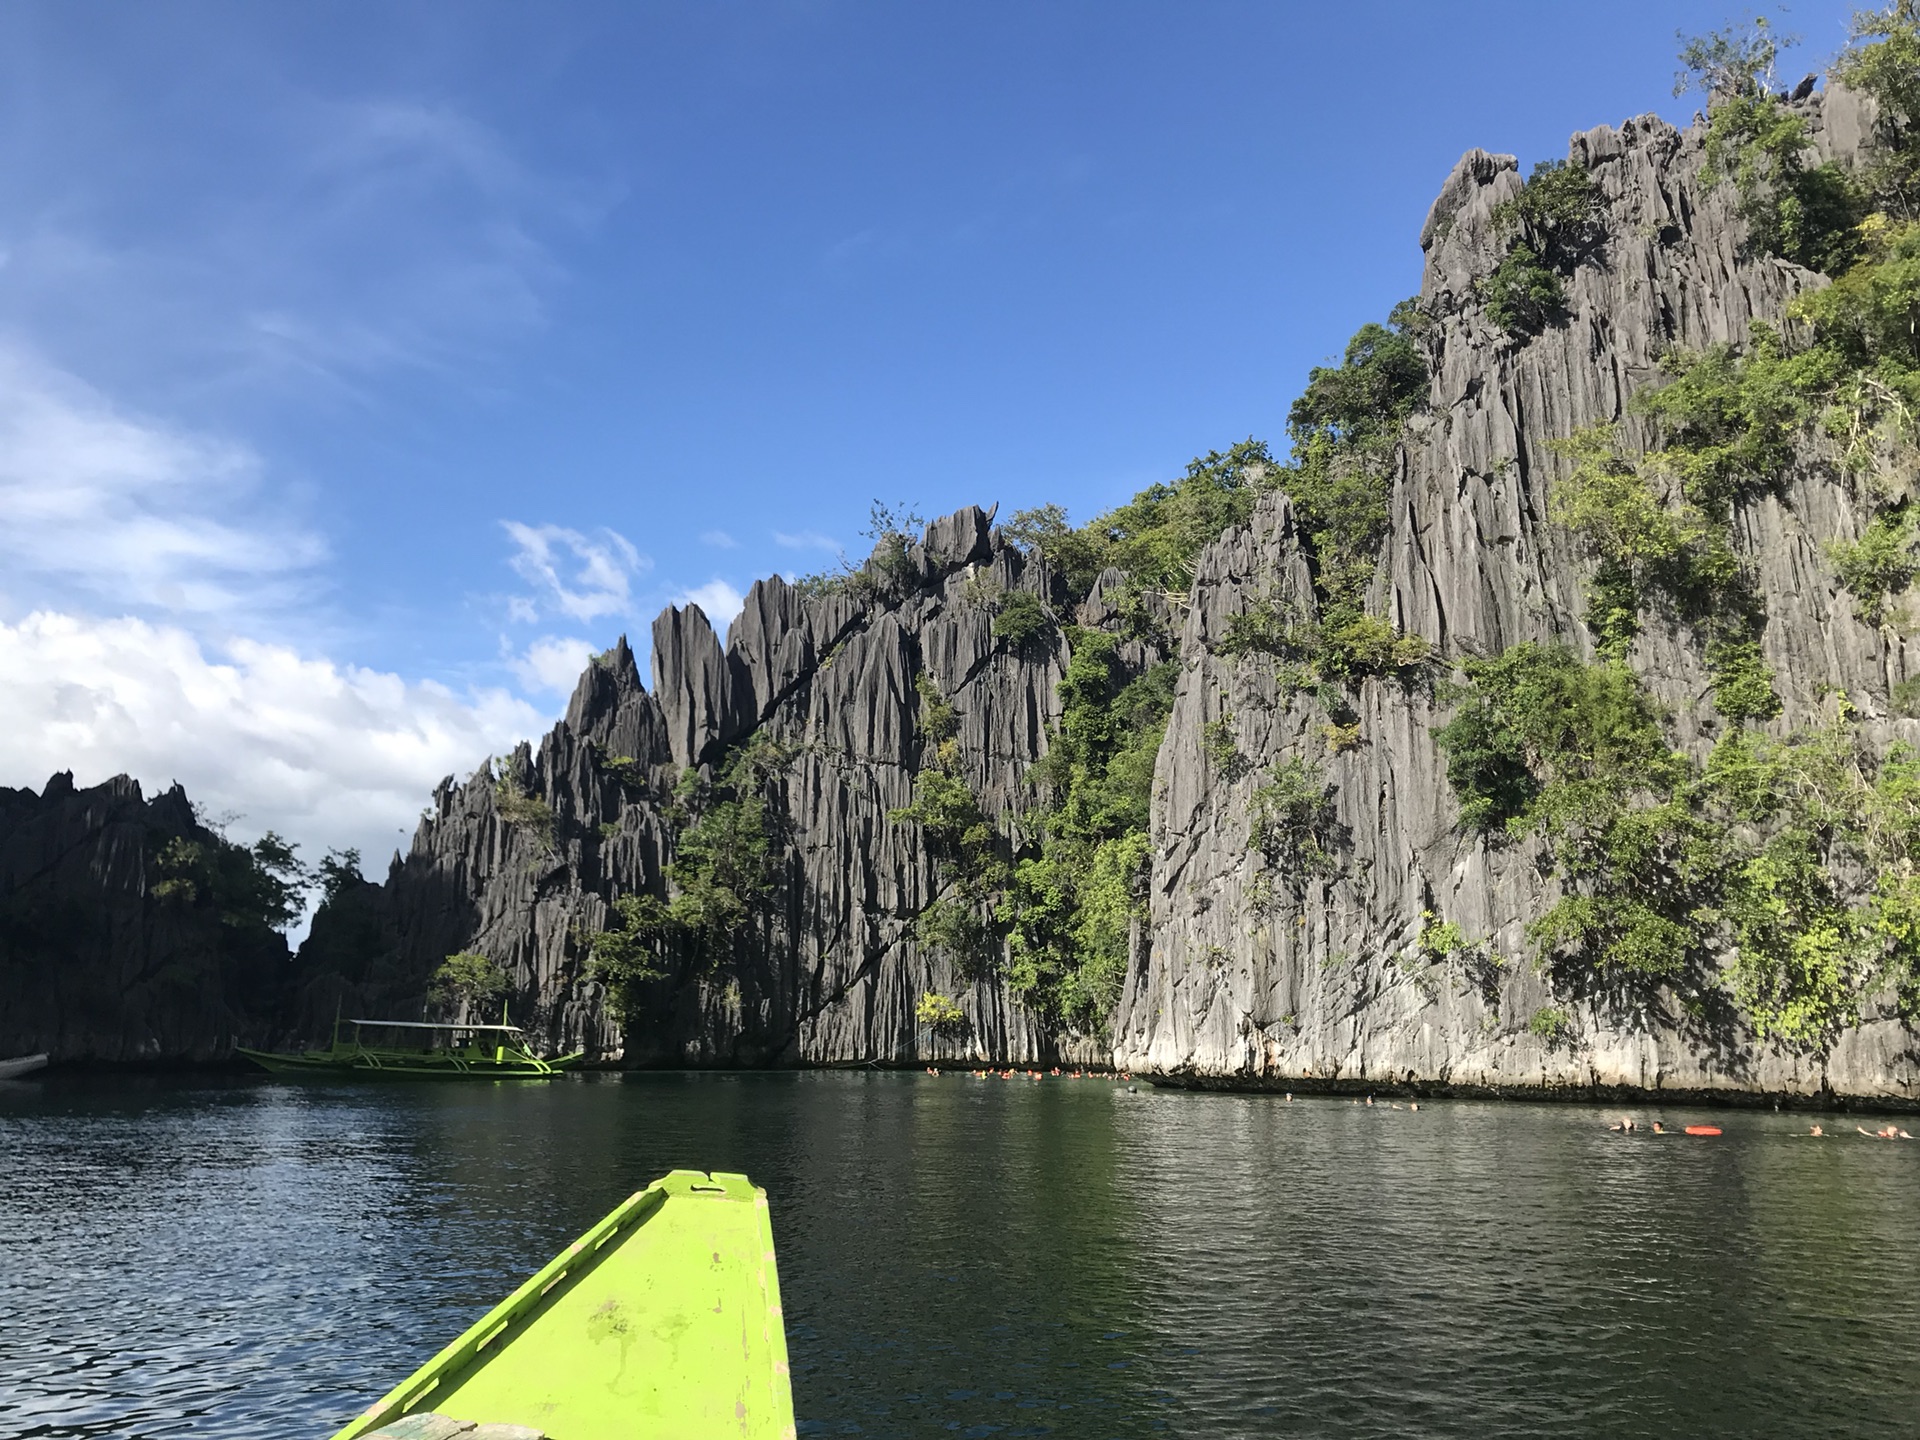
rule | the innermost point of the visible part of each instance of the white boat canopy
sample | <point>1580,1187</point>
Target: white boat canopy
<point>429,1025</point>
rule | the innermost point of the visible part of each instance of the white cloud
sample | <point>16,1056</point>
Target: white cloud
<point>553,662</point>
<point>719,539</point>
<point>805,540</point>
<point>131,510</point>
<point>329,755</point>
<point>717,599</point>
<point>580,576</point>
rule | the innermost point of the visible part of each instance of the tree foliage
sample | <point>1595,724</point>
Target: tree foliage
<point>1552,226</point>
<point>1155,537</point>
<point>467,980</point>
<point>1021,619</point>
<point>1883,61</point>
<point>263,886</point>
<point>1759,144</point>
<point>1662,859</point>
<point>940,1014</point>
<point>339,872</point>
<point>1073,896</point>
<point>726,846</point>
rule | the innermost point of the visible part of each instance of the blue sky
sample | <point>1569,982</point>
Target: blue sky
<point>364,365</point>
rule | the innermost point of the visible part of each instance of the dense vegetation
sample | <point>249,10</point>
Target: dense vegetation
<point>1074,888</point>
<point>260,886</point>
<point>1077,884</point>
<point>726,844</point>
<point>1778,871</point>
<point>1790,856</point>
<point>1343,429</point>
<point>467,981</point>
<point>1550,227</point>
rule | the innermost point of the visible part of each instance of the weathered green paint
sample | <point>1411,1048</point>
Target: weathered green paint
<point>662,1320</point>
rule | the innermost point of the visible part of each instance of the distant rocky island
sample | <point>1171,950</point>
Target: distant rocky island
<point>1541,721</point>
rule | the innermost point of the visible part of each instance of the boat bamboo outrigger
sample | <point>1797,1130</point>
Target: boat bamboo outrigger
<point>662,1320</point>
<point>470,1052</point>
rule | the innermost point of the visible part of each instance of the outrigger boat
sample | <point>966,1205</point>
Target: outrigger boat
<point>662,1320</point>
<point>471,1052</point>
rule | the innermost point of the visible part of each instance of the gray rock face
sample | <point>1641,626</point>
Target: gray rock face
<point>831,972</point>
<point>1322,979</point>
<point>1237,977</point>
<point>93,965</point>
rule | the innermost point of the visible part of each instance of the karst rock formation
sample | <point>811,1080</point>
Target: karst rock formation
<point>1225,985</point>
<point>98,962</point>
<point>1237,975</point>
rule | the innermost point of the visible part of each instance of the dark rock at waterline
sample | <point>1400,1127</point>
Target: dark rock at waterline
<point>94,966</point>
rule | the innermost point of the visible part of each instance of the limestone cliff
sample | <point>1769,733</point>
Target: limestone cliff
<point>1231,987</point>
<point>1240,972</point>
<point>102,960</point>
<point>829,970</point>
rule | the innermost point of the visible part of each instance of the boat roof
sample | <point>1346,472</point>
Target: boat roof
<point>430,1025</point>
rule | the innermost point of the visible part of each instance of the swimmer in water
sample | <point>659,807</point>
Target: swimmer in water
<point>1658,1128</point>
<point>1817,1132</point>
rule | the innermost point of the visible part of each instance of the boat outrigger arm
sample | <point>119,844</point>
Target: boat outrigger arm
<point>509,1056</point>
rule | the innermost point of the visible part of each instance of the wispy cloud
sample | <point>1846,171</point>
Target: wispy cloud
<point>133,511</point>
<point>719,539</point>
<point>430,220</point>
<point>805,540</point>
<point>580,576</point>
<point>340,239</point>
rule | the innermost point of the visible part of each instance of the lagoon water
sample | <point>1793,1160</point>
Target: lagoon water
<point>216,1256</point>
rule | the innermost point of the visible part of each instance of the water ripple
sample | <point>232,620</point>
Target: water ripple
<point>184,1257</point>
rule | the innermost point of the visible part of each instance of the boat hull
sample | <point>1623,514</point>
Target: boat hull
<point>21,1065</point>
<point>662,1320</point>
<point>400,1065</point>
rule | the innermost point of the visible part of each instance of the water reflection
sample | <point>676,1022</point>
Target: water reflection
<point>973,1257</point>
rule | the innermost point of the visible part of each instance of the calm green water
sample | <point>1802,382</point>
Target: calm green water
<point>230,1258</point>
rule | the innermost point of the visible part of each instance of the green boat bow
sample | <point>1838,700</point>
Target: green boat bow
<point>453,1052</point>
<point>662,1320</point>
